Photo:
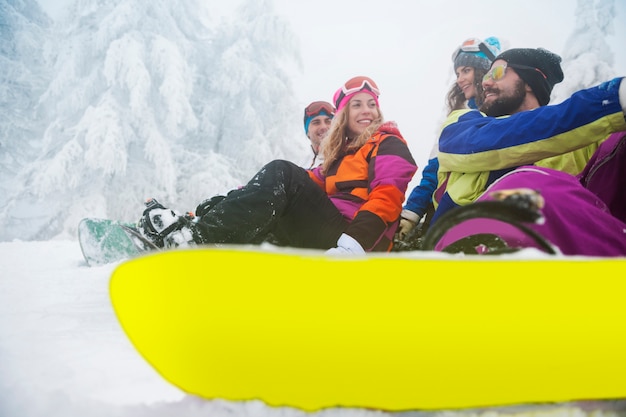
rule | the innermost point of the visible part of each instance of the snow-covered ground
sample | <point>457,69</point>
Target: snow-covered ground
<point>62,352</point>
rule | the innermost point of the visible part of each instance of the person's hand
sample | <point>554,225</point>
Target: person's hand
<point>408,221</point>
<point>404,228</point>
<point>346,245</point>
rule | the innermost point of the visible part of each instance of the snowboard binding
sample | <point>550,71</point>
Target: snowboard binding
<point>511,208</point>
<point>166,228</point>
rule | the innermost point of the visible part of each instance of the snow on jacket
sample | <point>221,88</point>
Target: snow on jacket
<point>475,150</point>
<point>368,186</point>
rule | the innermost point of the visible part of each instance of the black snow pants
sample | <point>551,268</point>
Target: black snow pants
<point>280,203</point>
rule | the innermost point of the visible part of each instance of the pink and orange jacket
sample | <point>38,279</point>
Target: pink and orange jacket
<point>368,186</point>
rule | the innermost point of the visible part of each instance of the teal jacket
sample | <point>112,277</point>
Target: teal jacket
<point>475,150</point>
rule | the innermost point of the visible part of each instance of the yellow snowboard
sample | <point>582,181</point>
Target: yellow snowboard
<point>389,332</point>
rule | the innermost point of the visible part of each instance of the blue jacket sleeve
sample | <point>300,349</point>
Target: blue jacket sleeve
<point>422,194</point>
<point>472,142</point>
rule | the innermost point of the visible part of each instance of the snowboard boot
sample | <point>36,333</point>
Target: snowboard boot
<point>166,228</point>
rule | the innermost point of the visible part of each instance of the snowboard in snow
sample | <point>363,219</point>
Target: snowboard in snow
<point>103,241</point>
<point>141,243</point>
<point>412,331</point>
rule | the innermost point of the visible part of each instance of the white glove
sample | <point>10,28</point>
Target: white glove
<point>346,245</point>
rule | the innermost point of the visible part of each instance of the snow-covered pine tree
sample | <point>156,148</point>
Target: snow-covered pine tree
<point>245,101</point>
<point>587,57</point>
<point>253,106</point>
<point>587,61</point>
<point>24,76</point>
<point>120,99</point>
<point>136,113</point>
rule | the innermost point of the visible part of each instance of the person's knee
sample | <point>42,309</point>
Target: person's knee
<point>286,171</point>
<point>281,165</point>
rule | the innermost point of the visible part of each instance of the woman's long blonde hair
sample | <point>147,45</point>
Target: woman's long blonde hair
<point>334,147</point>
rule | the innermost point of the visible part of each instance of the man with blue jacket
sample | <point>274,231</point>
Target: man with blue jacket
<point>517,128</point>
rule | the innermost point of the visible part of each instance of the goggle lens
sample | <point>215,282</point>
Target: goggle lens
<point>495,73</point>
<point>317,107</point>
<point>354,85</point>
<point>498,72</point>
<point>359,83</point>
<point>473,45</point>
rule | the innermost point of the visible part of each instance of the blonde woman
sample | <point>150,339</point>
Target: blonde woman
<point>349,204</point>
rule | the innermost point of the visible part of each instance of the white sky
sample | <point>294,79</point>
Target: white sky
<point>406,45</point>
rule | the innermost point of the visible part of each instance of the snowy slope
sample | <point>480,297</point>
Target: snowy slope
<point>62,352</point>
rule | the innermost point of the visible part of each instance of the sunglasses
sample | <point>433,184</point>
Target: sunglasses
<point>474,45</point>
<point>498,72</point>
<point>318,107</point>
<point>355,85</point>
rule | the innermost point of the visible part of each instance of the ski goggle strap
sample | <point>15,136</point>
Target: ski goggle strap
<point>474,45</point>
<point>498,72</point>
<point>353,86</point>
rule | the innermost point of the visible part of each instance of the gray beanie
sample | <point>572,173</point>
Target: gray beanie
<point>477,59</point>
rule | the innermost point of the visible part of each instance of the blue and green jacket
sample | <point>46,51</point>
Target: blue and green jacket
<point>421,197</point>
<point>475,150</point>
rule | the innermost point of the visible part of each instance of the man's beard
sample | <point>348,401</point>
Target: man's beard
<point>504,104</point>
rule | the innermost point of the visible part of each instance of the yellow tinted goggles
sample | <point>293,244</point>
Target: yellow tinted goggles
<point>499,71</point>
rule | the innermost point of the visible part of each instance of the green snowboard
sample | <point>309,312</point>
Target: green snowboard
<point>103,241</point>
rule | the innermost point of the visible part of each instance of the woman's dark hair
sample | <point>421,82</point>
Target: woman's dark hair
<point>456,99</point>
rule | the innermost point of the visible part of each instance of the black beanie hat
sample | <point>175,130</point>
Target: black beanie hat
<point>545,61</point>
